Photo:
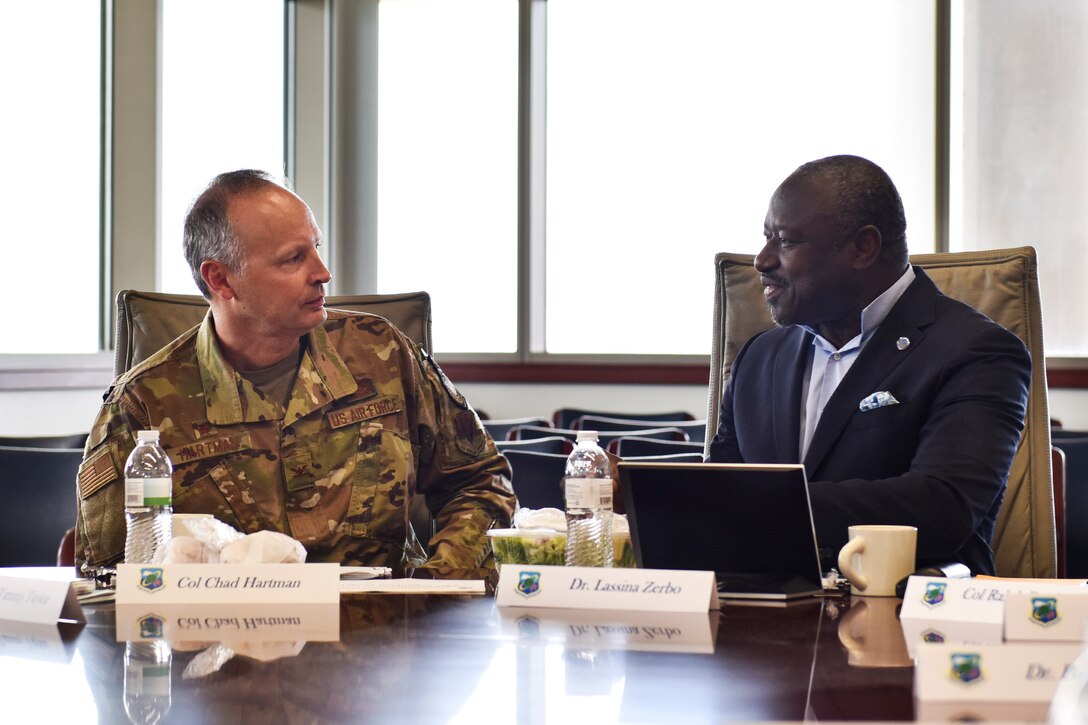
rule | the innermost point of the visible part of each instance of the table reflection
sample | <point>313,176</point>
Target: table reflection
<point>454,659</point>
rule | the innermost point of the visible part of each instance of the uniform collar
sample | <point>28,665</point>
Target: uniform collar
<point>231,399</point>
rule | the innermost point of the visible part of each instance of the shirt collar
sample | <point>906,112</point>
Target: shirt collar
<point>873,314</point>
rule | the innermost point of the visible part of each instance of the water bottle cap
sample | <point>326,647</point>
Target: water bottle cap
<point>587,435</point>
<point>147,436</point>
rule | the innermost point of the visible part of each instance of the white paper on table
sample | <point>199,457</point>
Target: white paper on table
<point>414,586</point>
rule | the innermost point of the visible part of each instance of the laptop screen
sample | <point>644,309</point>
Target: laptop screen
<point>732,519</point>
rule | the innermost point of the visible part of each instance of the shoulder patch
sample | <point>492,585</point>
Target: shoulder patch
<point>96,471</point>
<point>470,437</point>
<point>454,394</point>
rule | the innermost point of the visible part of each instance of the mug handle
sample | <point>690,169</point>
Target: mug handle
<point>856,545</point>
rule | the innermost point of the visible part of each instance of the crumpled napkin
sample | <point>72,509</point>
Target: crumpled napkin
<point>213,542</point>
<point>556,520</point>
<point>212,659</point>
<point>263,547</point>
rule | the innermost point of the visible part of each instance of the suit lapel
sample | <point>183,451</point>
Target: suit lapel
<point>881,355</point>
<point>789,371</point>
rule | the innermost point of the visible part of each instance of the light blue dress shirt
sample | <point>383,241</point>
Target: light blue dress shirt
<point>827,366</point>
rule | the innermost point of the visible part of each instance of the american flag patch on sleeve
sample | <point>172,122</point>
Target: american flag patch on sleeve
<point>96,472</point>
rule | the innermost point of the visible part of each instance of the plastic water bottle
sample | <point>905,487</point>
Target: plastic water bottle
<point>588,490</point>
<point>147,681</point>
<point>148,500</point>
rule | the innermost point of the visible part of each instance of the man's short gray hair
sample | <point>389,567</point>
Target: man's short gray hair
<point>208,234</point>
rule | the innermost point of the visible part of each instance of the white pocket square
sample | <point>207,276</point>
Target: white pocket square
<point>877,400</point>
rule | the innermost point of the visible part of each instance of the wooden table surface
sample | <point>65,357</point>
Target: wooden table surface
<point>448,659</point>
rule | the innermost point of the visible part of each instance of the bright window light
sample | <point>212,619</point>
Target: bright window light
<point>669,125</point>
<point>447,165</point>
<point>222,107</point>
<point>49,191</point>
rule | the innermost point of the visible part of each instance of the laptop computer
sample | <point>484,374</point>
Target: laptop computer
<point>749,524</point>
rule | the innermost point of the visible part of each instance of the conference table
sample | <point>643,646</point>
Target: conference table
<point>458,658</point>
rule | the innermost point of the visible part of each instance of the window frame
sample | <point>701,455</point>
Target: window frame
<point>331,89</point>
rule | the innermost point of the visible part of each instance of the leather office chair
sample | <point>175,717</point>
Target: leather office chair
<point>1002,284</point>
<point>147,321</point>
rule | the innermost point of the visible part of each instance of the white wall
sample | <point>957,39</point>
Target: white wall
<point>59,412</point>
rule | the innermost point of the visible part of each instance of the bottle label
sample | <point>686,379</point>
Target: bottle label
<point>148,491</point>
<point>589,493</point>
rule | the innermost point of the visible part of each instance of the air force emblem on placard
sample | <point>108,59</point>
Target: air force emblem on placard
<point>932,636</point>
<point>151,627</point>
<point>528,583</point>
<point>151,578</point>
<point>934,594</point>
<point>1044,610</point>
<point>966,667</point>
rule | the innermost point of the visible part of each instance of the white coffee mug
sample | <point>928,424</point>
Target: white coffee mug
<point>877,557</point>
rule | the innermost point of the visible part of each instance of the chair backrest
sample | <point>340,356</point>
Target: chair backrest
<point>1002,284</point>
<point>629,446</point>
<point>552,444</point>
<point>76,440</point>
<point>1075,455</point>
<point>695,429</point>
<point>537,478</point>
<point>38,487</point>
<point>499,428</point>
<point>690,457</point>
<point>527,432</point>
<point>565,417</point>
<point>147,321</point>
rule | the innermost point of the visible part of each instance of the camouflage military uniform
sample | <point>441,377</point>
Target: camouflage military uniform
<point>371,420</point>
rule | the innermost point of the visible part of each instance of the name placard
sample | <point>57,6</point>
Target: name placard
<point>228,622</point>
<point>1013,672</point>
<point>38,600</point>
<point>937,610</point>
<point>576,587</point>
<point>1055,615</point>
<point>227,583</point>
<point>692,632</point>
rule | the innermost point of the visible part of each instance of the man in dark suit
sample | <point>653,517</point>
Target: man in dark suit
<point>904,405</point>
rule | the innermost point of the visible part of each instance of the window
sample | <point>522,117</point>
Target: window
<point>222,107</point>
<point>50,187</point>
<point>669,126</point>
<point>448,165</point>
<point>1019,143</point>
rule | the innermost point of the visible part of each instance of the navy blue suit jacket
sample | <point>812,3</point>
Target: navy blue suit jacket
<point>938,460</point>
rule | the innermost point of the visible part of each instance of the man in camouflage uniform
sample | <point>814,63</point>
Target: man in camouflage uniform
<point>279,414</point>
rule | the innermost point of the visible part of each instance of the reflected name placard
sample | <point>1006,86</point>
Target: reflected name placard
<point>228,622</point>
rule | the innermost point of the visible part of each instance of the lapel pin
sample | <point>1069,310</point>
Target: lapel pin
<point>902,343</point>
